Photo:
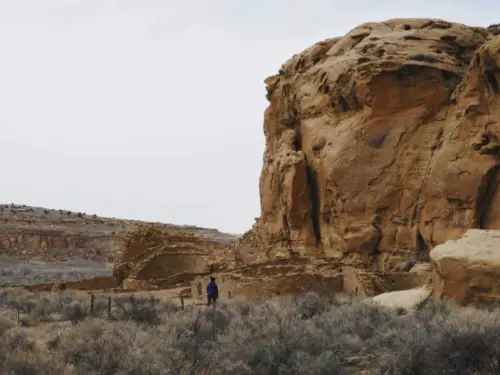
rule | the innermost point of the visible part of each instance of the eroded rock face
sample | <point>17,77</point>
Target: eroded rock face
<point>52,245</point>
<point>382,142</point>
<point>468,270</point>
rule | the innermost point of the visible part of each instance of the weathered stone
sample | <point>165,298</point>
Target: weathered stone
<point>361,239</point>
<point>388,151</point>
<point>468,269</point>
<point>408,300</point>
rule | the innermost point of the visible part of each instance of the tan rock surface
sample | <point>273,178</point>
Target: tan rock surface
<point>468,269</point>
<point>381,145</point>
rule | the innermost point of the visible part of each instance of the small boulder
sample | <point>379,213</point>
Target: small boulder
<point>404,299</point>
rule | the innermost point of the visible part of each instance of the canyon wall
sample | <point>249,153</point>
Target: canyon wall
<point>51,245</point>
<point>37,233</point>
<point>380,145</point>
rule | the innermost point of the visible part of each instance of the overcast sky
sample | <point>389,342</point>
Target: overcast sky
<point>153,109</point>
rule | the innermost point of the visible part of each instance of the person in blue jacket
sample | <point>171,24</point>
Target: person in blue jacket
<point>212,291</point>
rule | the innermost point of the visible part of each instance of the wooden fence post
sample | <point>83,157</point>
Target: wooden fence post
<point>109,306</point>
<point>92,299</point>
<point>182,301</point>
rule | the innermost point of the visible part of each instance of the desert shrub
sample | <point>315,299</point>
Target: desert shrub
<point>461,342</point>
<point>141,310</point>
<point>18,356</point>
<point>94,347</point>
<point>27,363</point>
<point>74,312</point>
<point>273,339</point>
<point>5,325</point>
<point>47,307</point>
<point>310,305</point>
<point>12,342</point>
<point>281,336</point>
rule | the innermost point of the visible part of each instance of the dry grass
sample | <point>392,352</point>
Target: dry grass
<point>282,336</point>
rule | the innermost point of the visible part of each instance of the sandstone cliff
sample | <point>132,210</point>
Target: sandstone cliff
<point>36,233</point>
<point>380,145</point>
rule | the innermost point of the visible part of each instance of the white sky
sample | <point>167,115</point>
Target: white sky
<point>153,109</point>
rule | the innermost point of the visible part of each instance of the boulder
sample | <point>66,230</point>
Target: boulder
<point>406,300</point>
<point>468,269</point>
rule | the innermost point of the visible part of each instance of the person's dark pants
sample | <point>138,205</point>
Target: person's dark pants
<point>212,299</point>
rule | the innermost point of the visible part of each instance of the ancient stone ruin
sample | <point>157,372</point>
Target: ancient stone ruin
<point>380,145</point>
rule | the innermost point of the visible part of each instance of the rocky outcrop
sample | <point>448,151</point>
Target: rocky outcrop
<point>51,245</point>
<point>381,145</point>
<point>155,258</point>
<point>468,270</point>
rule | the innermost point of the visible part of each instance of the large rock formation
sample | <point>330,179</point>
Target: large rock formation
<point>468,270</point>
<point>381,145</point>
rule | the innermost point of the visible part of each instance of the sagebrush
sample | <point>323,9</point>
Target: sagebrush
<point>282,336</point>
